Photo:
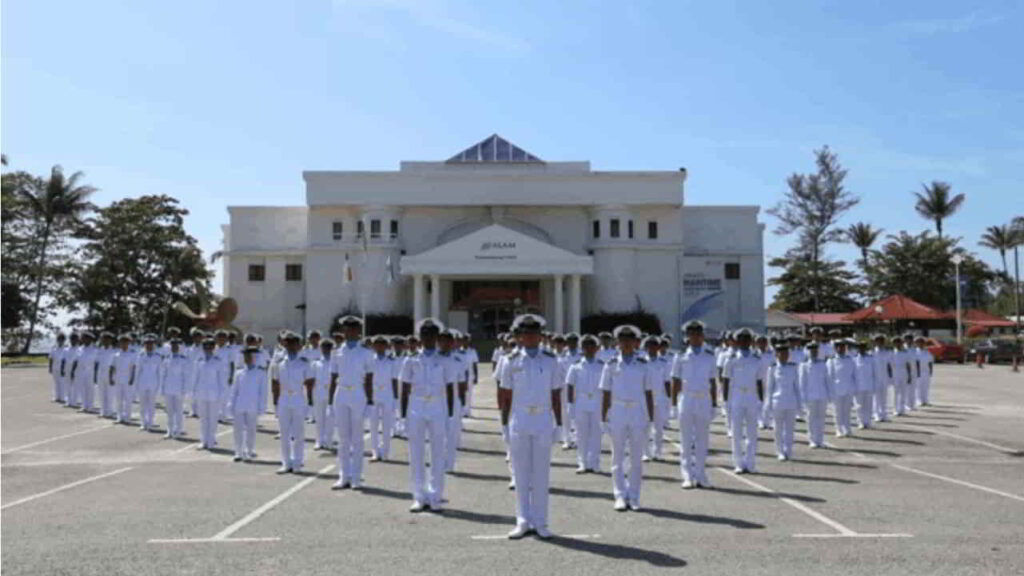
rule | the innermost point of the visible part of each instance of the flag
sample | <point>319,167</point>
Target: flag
<point>366,246</point>
<point>346,272</point>
<point>390,279</point>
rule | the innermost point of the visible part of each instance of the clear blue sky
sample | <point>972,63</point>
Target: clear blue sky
<point>225,103</point>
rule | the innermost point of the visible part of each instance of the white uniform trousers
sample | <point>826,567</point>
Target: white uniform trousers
<point>418,429</point>
<point>531,453</point>
<point>323,413</point>
<point>657,428</point>
<point>172,403</point>
<point>108,392</point>
<point>224,410</point>
<point>245,433</point>
<point>454,435</point>
<point>630,436</point>
<point>86,392</point>
<point>65,389</point>
<point>125,399</point>
<point>292,422</point>
<point>899,391</point>
<point>208,423</point>
<point>743,423</point>
<point>694,433</point>
<point>467,410</point>
<point>865,408</point>
<point>767,417</point>
<point>350,419</point>
<point>882,402</point>
<point>508,453</point>
<point>924,383</point>
<point>147,408</point>
<point>382,422</point>
<point>910,395</point>
<point>588,439</point>
<point>816,410</point>
<point>842,406</point>
<point>565,434</point>
<point>785,418</point>
<point>195,406</point>
<point>58,384</point>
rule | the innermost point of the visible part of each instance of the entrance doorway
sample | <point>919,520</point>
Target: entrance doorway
<point>493,304</point>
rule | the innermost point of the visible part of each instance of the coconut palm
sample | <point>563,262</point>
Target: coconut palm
<point>1000,238</point>
<point>55,204</point>
<point>937,203</point>
<point>862,235</point>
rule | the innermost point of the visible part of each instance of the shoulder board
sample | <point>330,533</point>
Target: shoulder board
<point>709,352</point>
<point>641,360</point>
<point>260,368</point>
<point>303,358</point>
<point>515,354</point>
<point>549,353</point>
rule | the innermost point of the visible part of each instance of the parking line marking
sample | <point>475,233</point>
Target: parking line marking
<point>64,487</point>
<point>55,438</point>
<point>504,537</point>
<point>210,540</point>
<point>960,482</point>
<point>858,535</point>
<point>842,530</point>
<point>1007,450</point>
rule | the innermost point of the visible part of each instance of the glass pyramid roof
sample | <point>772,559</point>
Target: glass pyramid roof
<point>494,149</point>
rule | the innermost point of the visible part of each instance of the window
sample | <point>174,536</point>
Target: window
<point>732,271</point>
<point>257,272</point>
<point>597,228</point>
<point>336,230</point>
<point>630,229</point>
<point>614,228</point>
<point>359,229</point>
<point>293,272</point>
<point>652,229</point>
<point>394,228</point>
<point>374,228</point>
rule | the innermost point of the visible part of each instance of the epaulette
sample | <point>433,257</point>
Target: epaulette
<point>260,368</point>
<point>303,358</point>
<point>641,360</point>
<point>549,353</point>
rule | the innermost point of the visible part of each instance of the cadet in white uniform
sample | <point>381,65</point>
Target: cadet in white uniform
<point>249,397</point>
<point>661,389</point>
<point>351,397</point>
<point>83,374</point>
<point>608,351</point>
<point>816,391</point>
<point>627,409</point>
<point>695,395</point>
<point>583,380</point>
<point>744,393</point>
<point>208,377</point>
<point>122,368</point>
<point>194,351</point>
<point>54,366</point>
<point>427,401</point>
<point>925,366</point>
<point>175,379</point>
<point>722,353</point>
<point>841,368</point>
<point>767,356</point>
<point>446,342</point>
<point>292,387</point>
<point>384,371</point>
<point>884,372</point>
<point>901,373</point>
<point>107,390</point>
<point>147,380</point>
<point>324,415</point>
<point>866,383</point>
<point>783,392</point>
<point>530,400</point>
<point>472,360</point>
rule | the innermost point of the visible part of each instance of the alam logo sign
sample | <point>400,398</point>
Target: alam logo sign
<point>489,247</point>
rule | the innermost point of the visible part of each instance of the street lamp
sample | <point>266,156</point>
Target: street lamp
<point>957,260</point>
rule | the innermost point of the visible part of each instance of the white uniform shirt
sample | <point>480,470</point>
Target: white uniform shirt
<point>321,379</point>
<point>783,386</point>
<point>864,372</point>
<point>86,359</point>
<point>147,370</point>
<point>249,391</point>
<point>292,373</point>
<point>661,372</point>
<point>695,368</point>
<point>531,380</point>
<point>175,374</point>
<point>814,381</point>
<point>924,361</point>
<point>797,356</point>
<point>104,357</point>
<point>903,360</point>
<point>351,364</point>
<point>428,375</point>
<point>628,381</point>
<point>384,369</point>
<point>883,366</point>
<point>606,355</point>
<point>841,375</point>
<point>472,357</point>
<point>208,378</point>
<point>826,350</point>
<point>743,369</point>
<point>585,378</point>
<point>123,363</point>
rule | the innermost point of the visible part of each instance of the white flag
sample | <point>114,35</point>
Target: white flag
<point>346,272</point>
<point>390,271</point>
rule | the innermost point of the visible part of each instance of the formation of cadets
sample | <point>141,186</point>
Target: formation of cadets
<point>552,389</point>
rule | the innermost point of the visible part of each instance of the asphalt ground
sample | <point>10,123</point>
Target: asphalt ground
<point>937,492</point>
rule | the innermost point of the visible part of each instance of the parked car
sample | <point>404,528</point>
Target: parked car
<point>945,350</point>
<point>995,350</point>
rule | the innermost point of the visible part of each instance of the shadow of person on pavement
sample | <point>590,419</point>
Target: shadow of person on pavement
<point>617,551</point>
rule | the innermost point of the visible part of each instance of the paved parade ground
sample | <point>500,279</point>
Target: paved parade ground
<point>937,492</point>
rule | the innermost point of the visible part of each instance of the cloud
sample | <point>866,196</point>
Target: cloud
<point>932,27</point>
<point>430,15</point>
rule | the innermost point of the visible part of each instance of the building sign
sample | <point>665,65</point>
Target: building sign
<point>496,250</point>
<point>703,292</point>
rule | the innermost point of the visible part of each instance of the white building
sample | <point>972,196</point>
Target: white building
<point>489,233</point>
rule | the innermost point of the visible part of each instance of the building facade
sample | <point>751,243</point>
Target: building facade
<point>492,232</point>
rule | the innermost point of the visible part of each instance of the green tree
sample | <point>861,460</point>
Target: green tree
<point>937,203</point>
<point>137,261</point>
<point>806,286</point>
<point>55,208</point>
<point>863,236</point>
<point>812,208</point>
<point>1001,238</point>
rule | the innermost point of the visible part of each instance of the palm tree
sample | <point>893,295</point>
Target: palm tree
<point>1000,238</point>
<point>58,202</point>
<point>862,235</point>
<point>937,203</point>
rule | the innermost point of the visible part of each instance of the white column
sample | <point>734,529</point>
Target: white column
<point>435,296</point>
<point>417,297</point>
<point>559,323</point>
<point>574,303</point>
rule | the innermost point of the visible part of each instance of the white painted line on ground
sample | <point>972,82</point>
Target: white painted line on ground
<point>960,482</point>
<point>55,438</point>
<point>842,530</point>
<point>858,535</point>
<point>63,488</point>
<point>192,446</point>
<point>1005,449</point>
<point>210,540</point>
<point>505,537</point>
